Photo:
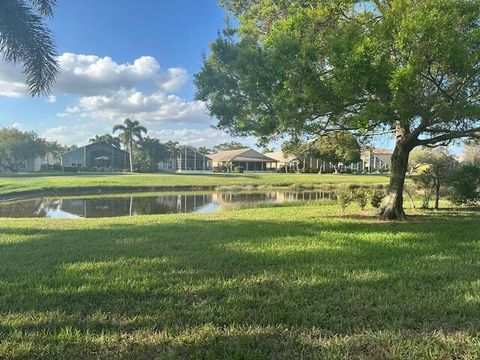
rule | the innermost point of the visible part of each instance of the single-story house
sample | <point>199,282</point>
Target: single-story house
<point>250,160</point>
<point>187,159</point>
<point>96,155</point>
<point>33,164</point>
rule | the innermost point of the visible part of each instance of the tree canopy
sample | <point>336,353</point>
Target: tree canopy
<point>337,147</point>
<point>17,146</point>
<point>232,145</point>
<point>306,68</point>
<point>149,153</point>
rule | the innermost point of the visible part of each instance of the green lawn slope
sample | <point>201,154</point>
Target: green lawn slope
<point>286,282</point>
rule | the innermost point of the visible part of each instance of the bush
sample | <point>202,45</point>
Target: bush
<point>344,198</point>
<point>465,184</point>
<point>361,196</point>
<point>376,198</point>
<point>238,169</point>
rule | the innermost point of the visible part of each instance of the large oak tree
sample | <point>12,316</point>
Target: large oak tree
<point>303,68</point>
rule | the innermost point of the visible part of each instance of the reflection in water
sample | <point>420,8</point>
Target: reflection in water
<point>172,203</point>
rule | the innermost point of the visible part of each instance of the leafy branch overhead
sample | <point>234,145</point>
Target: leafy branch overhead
<point>25,39</point>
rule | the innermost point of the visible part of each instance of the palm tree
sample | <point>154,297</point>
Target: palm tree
<point>54,149</point>
<point>107,138</point>
<point>25,39</point>
<point>173,148</point>
<point>131,133</point>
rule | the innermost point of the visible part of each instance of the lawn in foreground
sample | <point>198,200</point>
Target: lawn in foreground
<point>285,282</point>
<point>18,184</point>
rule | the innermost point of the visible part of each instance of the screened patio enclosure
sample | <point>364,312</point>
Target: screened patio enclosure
<point>187,159</point>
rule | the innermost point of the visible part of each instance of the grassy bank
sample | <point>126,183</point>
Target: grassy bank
<point>45,183</point>
<point>285,282</point>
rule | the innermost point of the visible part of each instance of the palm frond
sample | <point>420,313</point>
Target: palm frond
<point>141,129</point>
<point>119,128</point>
<point>25,39</point>
<point>44,7</point>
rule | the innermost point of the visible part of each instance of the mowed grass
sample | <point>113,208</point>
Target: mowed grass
<point>270,283</point>
<point>25,183</point>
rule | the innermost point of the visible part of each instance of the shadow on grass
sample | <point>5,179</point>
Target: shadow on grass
<point>345,277</point>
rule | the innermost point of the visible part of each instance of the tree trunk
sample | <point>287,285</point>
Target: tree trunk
<point>335,168</point>
<point>131,156</point>
<point>437,189</point>
<point>174,160</point>
<point>392,208</point>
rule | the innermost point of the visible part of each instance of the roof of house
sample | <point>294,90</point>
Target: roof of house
<point>91,144</point>
<point>240,155</point>
<point>378,151</point>
<point>280,156</point>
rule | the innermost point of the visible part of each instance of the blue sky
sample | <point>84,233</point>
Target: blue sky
<point>121,58</point>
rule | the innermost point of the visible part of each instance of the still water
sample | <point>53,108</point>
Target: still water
<point>135,205</point>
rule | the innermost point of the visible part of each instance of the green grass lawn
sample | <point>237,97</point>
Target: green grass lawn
<point>18,184</point>
<point>285,282</point>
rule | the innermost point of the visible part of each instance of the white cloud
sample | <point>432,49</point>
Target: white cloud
<point>75,133</point>
<point>147,108</point>
<point>11,82</point>
<point>52,99</point>
<point>206,137</point>
<point>90,74</point>
<point>86,75</point>
<point>172,80</point>
<point>19,125</point>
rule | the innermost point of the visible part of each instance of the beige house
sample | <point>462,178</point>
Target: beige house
<point>248,159</point>
<point>374,159</point>
<point>287,163</point>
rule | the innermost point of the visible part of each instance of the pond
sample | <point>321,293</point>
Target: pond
<point>115,205</point>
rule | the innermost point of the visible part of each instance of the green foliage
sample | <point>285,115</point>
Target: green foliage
<point>16,147</point>
<point>361,196</point>
<point>149,153</point>
<point>204,150</point>
<point>344,198</point>
<point>465,184</point>
<point>337,147</point>
<point>238,169</point>
<point>303,67</point>
<point>232,145</point>
<point>430,167</point>
<point>376,198</point>
<point>25,39</point>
